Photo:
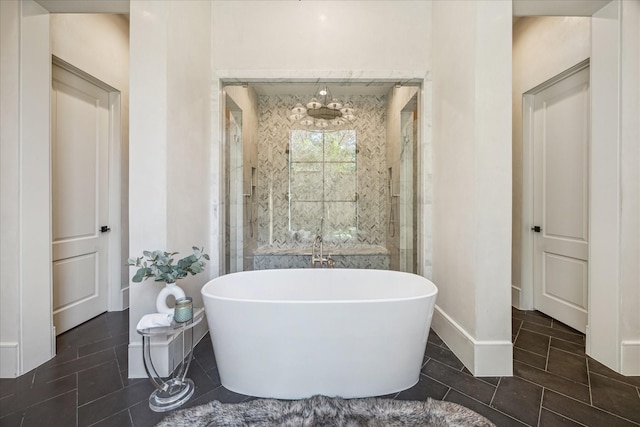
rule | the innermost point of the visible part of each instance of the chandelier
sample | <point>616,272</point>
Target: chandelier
<point>322,111</point>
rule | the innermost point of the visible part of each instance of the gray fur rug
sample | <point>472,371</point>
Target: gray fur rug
<point>320,411</point>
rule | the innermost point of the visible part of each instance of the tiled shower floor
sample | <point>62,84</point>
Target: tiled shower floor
<point>554,382</point>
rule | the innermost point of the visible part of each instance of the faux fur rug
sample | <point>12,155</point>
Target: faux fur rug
<point>320,411</point>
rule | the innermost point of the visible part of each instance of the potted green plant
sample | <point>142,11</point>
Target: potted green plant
<point>160,266</point>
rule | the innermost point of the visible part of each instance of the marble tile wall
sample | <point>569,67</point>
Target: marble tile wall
<point>274,230</point>
<point>268,262</point>
<point>371,257</point>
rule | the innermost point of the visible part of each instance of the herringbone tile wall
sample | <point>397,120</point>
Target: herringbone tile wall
<point>273,175</point>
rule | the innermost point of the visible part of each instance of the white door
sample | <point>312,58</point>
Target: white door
<point>561,178</point>
<point>80,137</point>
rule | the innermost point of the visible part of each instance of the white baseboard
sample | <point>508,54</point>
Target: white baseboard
<point>493,359</point>
<point>9,352</point>
<point>630,358</point>
<point>482,358</point>
<point>454,335</point>
<point>515,296</point>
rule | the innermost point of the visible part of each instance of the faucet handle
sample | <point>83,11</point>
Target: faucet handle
<point>330,262</point>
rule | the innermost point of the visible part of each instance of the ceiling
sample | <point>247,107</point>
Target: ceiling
<point>337,88</point>
<point>557,7</point>
<point>85,6</point>
<point>520,7</point>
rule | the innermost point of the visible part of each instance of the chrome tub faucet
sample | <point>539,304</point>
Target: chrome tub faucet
<point>317,258</point>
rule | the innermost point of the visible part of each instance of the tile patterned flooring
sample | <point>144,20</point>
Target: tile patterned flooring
<point>554,382</point>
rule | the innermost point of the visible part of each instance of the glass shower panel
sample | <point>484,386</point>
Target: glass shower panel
<point>408,170</point>
<point>234,197</point>
<point>307,216</point>
<point>340,182</point>
<point>340,146</point>
<point>306,181</point>
<point>323,182</point>
<point>340,221</point>
<point>306,146</point>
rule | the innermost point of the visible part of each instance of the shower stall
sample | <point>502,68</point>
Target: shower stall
<point>356,187</point>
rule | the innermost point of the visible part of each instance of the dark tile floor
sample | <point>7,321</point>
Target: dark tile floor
<point>554,382</point>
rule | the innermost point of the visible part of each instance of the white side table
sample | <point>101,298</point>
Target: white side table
<point>176,389</point>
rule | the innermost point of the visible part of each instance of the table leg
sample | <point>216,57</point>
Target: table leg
<point>177,389</point>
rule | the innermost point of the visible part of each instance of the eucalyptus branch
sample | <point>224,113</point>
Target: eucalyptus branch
<point>160,265</point>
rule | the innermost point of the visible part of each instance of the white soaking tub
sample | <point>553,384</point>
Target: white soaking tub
<point>295,333</point>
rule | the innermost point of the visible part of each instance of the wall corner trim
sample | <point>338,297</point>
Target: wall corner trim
<point>515,296</point>
<point>630,358</point>
<point>482,357</point>
<point>124,298</point>
<point>9,352</point>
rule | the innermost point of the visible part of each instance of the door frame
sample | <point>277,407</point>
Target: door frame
<point>116,297</point>
<point>527,240</point>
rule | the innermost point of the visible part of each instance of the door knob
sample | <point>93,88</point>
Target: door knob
<point>536,228</point>
<point>104,229</point>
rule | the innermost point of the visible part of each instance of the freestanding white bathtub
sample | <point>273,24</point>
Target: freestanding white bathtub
<point>295,333</point>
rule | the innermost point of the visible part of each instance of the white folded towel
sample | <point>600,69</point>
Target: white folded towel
<point>154,320</point>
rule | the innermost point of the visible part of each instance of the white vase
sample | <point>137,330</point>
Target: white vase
<point>161,301</point>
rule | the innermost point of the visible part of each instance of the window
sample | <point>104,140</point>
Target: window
<point>323,183</point>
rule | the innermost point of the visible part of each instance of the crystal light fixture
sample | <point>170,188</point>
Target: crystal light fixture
<point>322,112</point>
